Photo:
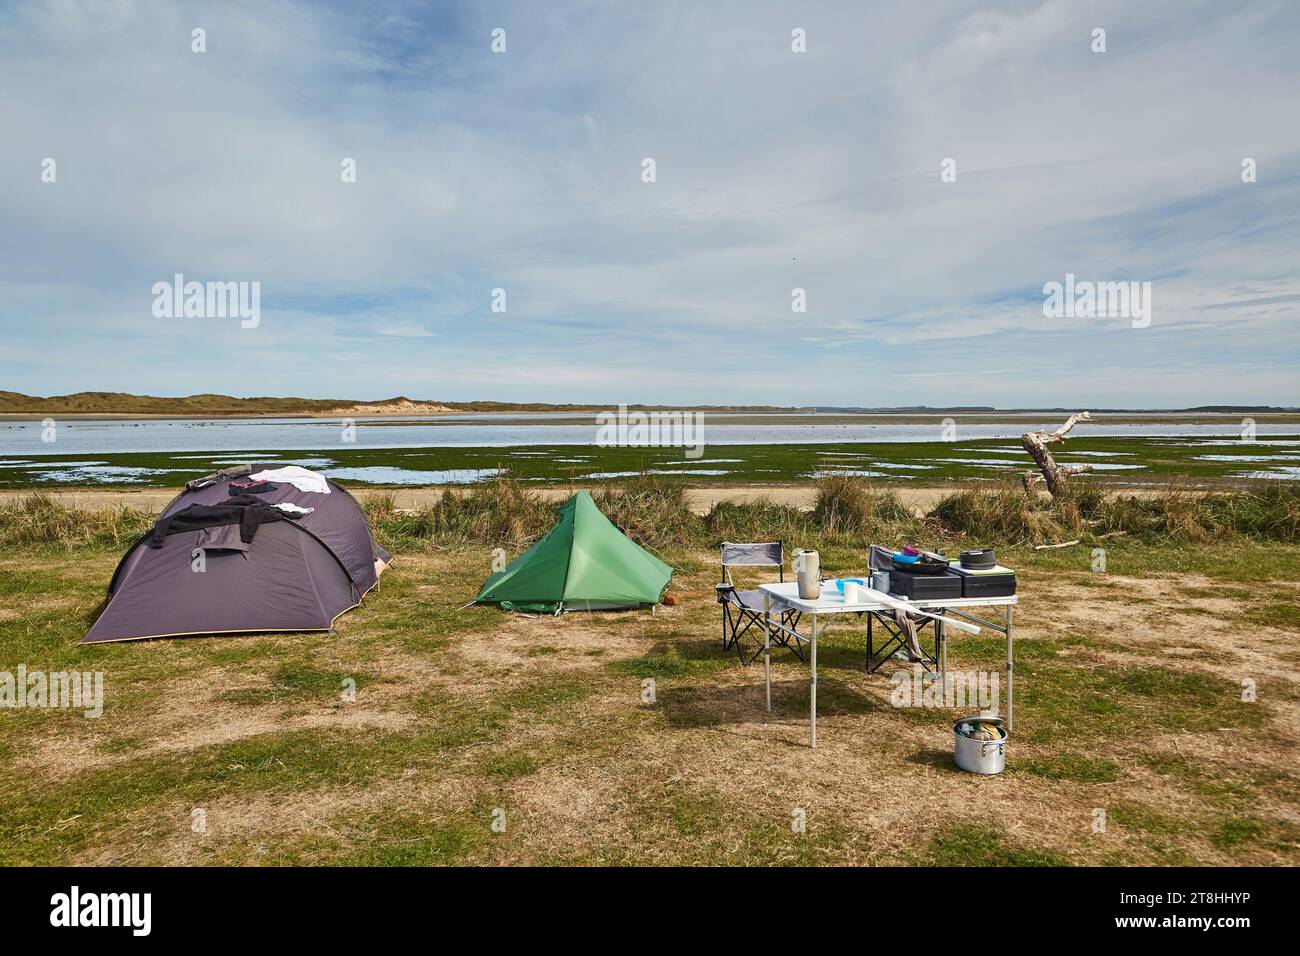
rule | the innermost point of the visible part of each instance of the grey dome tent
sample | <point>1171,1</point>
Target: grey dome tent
<point>261,570</point>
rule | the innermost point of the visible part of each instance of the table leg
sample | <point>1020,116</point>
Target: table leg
<point>1011,671</point>
<point>941,649</point>
<point>767,648</point>
<point>813,684</point>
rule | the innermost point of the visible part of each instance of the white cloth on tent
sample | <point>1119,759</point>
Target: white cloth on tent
<point>295,475</point>
<point>289,507</point>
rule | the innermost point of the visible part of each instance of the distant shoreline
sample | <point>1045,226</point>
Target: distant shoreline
<point>117,406</point>
<point>715,416</point>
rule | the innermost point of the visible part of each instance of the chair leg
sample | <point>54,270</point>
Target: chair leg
<point>737,622</point>
<point>759,645</point>
<point>740,651</point>
<point>749,625</point>
<point>731,629</point>
<point>737,632</point>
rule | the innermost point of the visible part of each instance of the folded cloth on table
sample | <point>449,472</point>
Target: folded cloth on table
<point>299,477</point>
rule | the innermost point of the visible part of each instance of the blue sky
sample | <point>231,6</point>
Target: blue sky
<point>775,170</point>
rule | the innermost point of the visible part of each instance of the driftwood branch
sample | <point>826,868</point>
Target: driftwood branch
<point>1055,476</point>
<point>1060,433</point>
<point>1053,547</point>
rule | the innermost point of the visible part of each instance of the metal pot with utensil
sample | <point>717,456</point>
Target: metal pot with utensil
<point>980,744</point>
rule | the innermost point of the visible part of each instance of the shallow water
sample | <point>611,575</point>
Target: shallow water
<point>1286,473</point>
<point>379,475</point>
<point>452,452</point>
<point>81,437</point>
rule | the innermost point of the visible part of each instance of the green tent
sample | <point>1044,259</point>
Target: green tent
<point>583,563</point>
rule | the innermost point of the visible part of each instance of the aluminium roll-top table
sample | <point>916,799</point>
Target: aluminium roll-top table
<point>870,601</point>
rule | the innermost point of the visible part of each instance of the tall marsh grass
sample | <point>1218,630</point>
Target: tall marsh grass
<point>39,520</point>
<point>506,513</point>
<point>651,511</point>
<point>758,521</point>
<point>501,513</point>
<point>1271,511</point>
<point>851,506</point>
<point>1006,513</point>
<point>848,512</point>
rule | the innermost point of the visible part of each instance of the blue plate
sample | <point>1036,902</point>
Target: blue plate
<point>840,582</point>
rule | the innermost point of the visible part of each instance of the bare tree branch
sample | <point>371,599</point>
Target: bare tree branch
<point>1054,475</point>
<point>1060,433</point>
<point>1053,547</point>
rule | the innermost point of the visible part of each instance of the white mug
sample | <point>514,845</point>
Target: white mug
<point>851,592</point>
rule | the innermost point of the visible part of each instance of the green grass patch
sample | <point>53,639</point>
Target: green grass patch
<point>707,829</point>
<point>295,681</point>
<point>1238,832</point>
<point>1137,817</point>
<point>1072,766</point>
<point>980,844</point>
<point>1283,616</point>
<point>1061,703</point>
<point>675,659</point>
<point>546,695</point>
<point>510,765</point>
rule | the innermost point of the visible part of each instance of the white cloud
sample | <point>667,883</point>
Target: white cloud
<point>776,170</point>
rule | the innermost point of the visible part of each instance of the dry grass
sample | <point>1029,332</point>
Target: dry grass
<point>651,511</point>
<point>1007,513</point>
<point>37,520</point>
<point>461,712</point>
<point>851,506</point>
<point>656,513</point>
<point>501,513</point>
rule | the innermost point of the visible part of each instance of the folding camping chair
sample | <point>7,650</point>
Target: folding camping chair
<point>896,636</point>
<point>741,610</point>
